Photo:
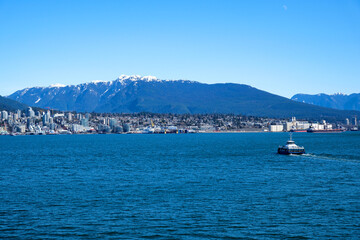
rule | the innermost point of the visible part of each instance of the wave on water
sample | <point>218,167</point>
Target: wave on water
<point>337,157</point>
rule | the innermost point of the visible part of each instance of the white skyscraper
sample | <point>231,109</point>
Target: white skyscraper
<point>4,115</point>
<point>69,116</point>
<point>347,122</point>
<point>30,112</point>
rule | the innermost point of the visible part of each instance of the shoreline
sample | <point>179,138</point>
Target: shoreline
<point>137,133</point>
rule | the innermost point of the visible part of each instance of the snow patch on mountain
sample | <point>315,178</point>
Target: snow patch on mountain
<point>99,81</point>
<point>340,94</point>
<point>135,78</point>
<point>57,85</point>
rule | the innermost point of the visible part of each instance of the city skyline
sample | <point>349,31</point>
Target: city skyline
<point>282,47</point>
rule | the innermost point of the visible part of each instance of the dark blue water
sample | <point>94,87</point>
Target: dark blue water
<point>196,186</point>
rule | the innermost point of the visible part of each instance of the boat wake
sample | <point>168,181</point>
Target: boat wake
<point>325,156</point>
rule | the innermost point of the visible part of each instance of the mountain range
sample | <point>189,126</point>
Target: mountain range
<point>129,94</point>
<point>11,105</point>
<point>337,101</point>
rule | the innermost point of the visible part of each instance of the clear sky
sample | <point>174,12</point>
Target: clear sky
<point>281,46</point>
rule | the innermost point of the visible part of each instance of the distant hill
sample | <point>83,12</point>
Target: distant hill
<point>129,94</point>
<point>10,105</point>
<point>336,101</point>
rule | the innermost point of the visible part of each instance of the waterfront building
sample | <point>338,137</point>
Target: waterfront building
<point>84,122</point>
<point>126,127</point>
<point>289,125</point>
<point>276,128</point>
<point>104,128</point>
<point>76,128</point>
<point>113,122</point>
<point>3,131</point>
<point>38,129</point>
<point>296,125</point>
<point>302,125</point>
<point>118,129</point>
<point>20,128</point>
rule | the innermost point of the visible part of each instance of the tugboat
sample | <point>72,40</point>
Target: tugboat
<point>291,148</point>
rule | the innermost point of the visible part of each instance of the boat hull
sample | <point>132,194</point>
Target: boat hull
<point>285,151</point>
<point>292,130</point>
<point>325,131</point>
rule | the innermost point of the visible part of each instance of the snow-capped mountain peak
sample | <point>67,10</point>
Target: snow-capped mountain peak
<point>337,100</point>
<point>135,78</point>
<point>57,85</point>
<point>123,79</point>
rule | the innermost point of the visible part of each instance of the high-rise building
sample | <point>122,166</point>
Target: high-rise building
<point>52,126</point>
<point>48,115</point>
<point>113,122</point>
<point>30,112</point>
<point>69,116</point>
<point>28,123</point>
<point>45,119</point>
<point>84,122</point>
<point>4,115</point>
<point>347,122</point>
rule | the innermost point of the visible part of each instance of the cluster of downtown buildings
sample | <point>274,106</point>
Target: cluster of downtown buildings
<point>302,126</point>
<point>41,122</point>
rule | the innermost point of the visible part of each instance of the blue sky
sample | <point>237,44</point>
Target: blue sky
<point>281,46</point>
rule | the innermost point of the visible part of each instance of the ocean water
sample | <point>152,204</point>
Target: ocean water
<point>194,186</point>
